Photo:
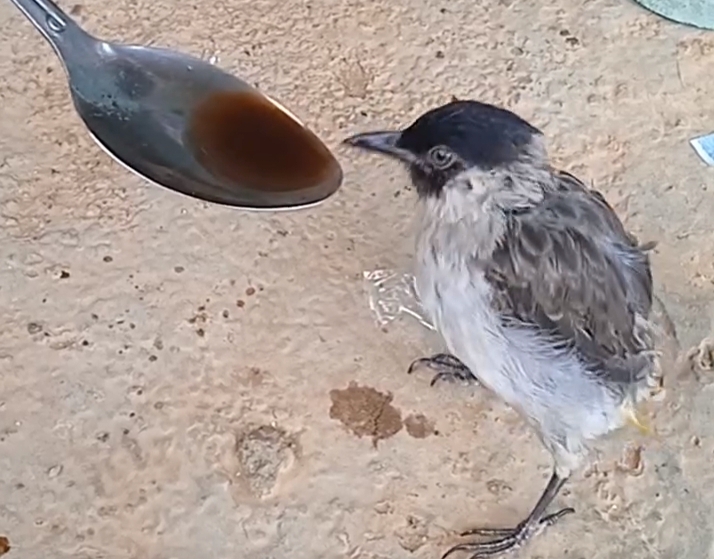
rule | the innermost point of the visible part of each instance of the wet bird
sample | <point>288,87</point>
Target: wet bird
<point>533,282</point>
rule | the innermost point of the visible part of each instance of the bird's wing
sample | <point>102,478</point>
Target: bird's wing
<point>565,182</point>
<point>568,267</point>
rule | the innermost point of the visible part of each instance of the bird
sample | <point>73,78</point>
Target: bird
<point>538,290</point>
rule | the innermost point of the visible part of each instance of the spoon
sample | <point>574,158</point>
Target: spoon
<point>180,122</point>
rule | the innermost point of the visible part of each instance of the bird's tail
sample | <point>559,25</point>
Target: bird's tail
<point>658,335</point>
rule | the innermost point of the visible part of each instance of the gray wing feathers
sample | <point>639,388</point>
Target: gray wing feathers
<point>568,267</point>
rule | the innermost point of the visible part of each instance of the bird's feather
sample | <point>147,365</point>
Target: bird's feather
<point>568,267</point>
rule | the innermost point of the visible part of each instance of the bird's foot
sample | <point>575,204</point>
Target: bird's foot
<point>505,539</point>
<point>447,367</point>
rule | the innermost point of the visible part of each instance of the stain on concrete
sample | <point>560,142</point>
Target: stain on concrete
<point>419,426</point>
<point>366,412</point>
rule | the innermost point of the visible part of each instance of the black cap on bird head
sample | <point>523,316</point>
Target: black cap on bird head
<point>447,140</point>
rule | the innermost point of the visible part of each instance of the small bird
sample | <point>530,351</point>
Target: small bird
<point>530,277</point>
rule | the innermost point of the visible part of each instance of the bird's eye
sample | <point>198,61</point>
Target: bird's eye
<point>440,157</point>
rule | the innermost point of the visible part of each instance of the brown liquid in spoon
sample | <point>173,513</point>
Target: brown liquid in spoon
<point>243,138</point>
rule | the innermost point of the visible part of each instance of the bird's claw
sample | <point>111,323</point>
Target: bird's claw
<point>447,367</point>
<point>507,539</point>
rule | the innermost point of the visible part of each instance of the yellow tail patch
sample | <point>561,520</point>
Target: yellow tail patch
<point>636,419</point>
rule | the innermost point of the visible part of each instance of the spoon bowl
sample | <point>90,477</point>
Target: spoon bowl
<point>182,123</point>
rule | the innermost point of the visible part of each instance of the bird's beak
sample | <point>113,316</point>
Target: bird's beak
<point>381,142</point>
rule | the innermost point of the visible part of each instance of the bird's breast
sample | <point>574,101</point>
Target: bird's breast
<point>457,297</point>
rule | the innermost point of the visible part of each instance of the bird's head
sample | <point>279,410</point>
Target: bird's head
<point>457,137</point>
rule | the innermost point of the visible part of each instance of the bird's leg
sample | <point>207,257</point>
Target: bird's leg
<point>507,539</point>
<point>446,366</point>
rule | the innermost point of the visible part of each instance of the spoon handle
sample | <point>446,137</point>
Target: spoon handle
<point>60,30</point>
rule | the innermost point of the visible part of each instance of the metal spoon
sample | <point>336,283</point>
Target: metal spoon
<point>137,103</point>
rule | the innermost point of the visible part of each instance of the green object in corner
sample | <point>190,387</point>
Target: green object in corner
<point>698,13</point>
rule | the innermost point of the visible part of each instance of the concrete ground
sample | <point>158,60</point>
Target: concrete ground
<point>179,380</point>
